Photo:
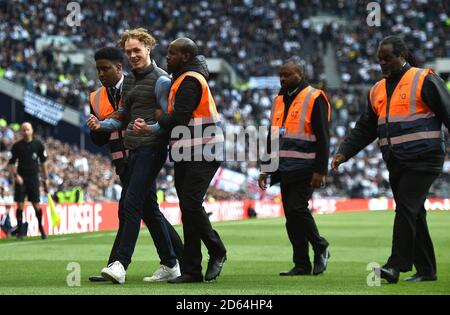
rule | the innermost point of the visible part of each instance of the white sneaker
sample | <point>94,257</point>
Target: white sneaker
<point>114,272</point>
<point>164,273</point>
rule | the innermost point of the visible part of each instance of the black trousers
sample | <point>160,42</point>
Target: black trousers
<point>174,237</point>
<point>411,241</point>
<point>192,180</point>
<point>300,225</point>
<point>140,202</point>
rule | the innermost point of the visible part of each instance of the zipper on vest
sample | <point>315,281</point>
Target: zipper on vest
<point>388,137</point>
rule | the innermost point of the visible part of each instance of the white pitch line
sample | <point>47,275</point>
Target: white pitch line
<point>57,239</point>
<point>33,242</point>
<point>92,236</point>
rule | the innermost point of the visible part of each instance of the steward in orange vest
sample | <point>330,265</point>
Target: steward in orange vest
<point>406,124</point>
<point>192,108</point>
<point>406,110</point>
<point>104,102</point>
<point>102,106</point>
<point>301,113</point>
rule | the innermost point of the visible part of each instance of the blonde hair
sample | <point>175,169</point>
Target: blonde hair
<point>141,34</point>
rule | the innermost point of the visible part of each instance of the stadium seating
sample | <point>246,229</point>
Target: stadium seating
<point>254,36</point>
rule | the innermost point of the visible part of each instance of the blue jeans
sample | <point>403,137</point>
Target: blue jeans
<point>140,200</point>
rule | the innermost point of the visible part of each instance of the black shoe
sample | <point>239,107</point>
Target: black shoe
<point>214,267</point>
<point>186,278</point>
<point>42,231</point>
<point>296,271</point>
<point>97,279</point>
<point>388,273</point>
<point>321,262</point>
<point>417,278</point>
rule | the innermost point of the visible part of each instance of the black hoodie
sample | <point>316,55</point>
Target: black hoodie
<point>188,95</point>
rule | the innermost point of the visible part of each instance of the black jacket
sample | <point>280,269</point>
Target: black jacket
<point>435,95</point>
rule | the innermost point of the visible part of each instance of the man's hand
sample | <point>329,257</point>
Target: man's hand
<point>140,127</point>
<point>158,114</point>
<point>93,123</point>
<point>337,160</point>
<point>262,181</point>
<point>19,179</point>
<point>318,180</point>
<point>45,184</point>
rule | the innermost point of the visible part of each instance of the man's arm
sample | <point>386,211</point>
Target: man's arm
<point>364,133</point>
<point>108,125</point>
<point>99,138</point>
<point>436,96</point>
<point>162,90</point>
<point>43,158</point>
<point>319,124</point>
<point>12,169</point>
<point>44,176</point>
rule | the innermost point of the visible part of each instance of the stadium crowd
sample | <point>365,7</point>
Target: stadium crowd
<point>363,177</point>
<point>254,36</point>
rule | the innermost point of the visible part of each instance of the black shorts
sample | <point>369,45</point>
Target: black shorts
<point>29,188</point>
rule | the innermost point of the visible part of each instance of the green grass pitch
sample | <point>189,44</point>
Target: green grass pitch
<point>258,250</point>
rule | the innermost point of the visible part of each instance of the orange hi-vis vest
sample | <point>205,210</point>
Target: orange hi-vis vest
<point>103,109</point>
<point>297,148</point>
<point>406,125</point>
<point>204,115</point>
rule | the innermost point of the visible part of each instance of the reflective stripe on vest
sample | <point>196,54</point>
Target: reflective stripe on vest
<point>196,141</point>
<point>198,121</point>
<point>406,106</point>
<point>296,155</point>
<point>115,134</point>
<point>119,154</point>
<point>412,137</point>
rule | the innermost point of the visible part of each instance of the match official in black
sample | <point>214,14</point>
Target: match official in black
<point>30,154</point>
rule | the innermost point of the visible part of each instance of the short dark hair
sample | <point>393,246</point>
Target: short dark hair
<point>109,53</point>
